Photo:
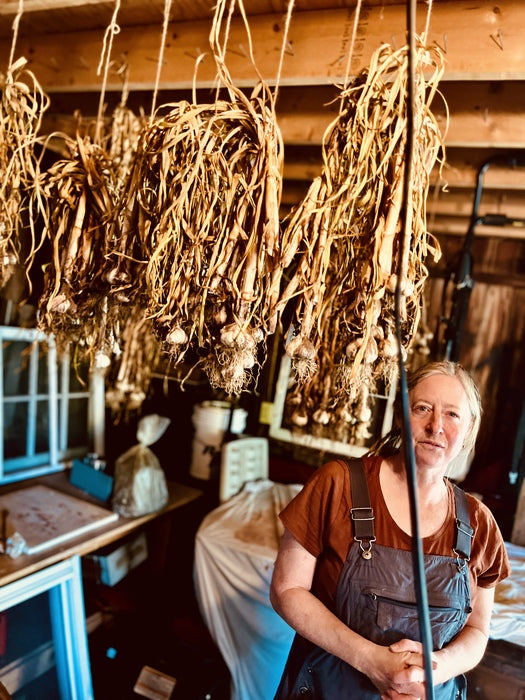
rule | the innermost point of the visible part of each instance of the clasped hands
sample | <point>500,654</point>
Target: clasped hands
<point>405,674</point>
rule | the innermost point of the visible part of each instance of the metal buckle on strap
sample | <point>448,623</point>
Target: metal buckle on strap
<point>464,537</point>
<point>461,560</point>
<point>364,529</point>
<point>366,547</point>
<point>466,529</point>
<point>362,516</point>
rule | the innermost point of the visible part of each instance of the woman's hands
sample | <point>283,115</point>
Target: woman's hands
<point>398,671</point>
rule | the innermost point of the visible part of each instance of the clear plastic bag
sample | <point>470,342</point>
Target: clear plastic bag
<point>140,483</point>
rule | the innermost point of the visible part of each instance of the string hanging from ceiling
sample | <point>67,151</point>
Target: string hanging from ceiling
<point>160,60</point>
<point>284,45</point>
<point>104,64</point>
<point>357,16</point>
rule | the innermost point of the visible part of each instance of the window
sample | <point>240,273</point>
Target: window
<point>46,406</point>
<point>46,653</point>
<point>383,411</point>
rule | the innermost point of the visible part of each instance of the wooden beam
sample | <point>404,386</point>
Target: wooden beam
<point>460,171</point>
<point>11,7</point>
<point>481,115</point>
<point>482,42</point>
<point>457,226</point>
<point>460,202</point>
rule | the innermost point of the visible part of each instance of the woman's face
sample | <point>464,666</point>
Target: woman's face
<point>440,419</point>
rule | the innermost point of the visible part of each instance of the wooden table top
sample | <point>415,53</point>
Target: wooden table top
<point>12,569</point>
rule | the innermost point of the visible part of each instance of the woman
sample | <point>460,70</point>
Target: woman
<point>352,601</point>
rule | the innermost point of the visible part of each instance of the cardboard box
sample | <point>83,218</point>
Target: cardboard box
<point>154,684</point>
<point>113,565</point>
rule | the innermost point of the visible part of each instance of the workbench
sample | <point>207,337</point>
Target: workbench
<point>56,572</point>
<point>24,565</point>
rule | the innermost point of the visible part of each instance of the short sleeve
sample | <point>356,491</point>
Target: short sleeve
<point>489,562</point>
<point>320,502</point>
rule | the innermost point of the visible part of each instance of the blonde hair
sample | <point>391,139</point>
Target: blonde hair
<point>391,443</point>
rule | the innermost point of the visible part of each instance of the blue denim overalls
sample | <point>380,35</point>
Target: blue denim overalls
<point>375,597</point>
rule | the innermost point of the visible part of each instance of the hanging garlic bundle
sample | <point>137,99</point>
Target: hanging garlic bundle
<point>129,378</point>
<point>134,350</point>
<point>211,185</point>
<point>77,205</point>
<point>90,280</point>
<point>350,223</point>
<point>22,105</point>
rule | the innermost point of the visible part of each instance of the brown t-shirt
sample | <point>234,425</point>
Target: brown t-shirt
<point>318,517</point>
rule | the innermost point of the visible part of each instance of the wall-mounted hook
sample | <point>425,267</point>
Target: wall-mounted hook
<point>498,39</point>
<point>241,51</point>
<point>195,56</point>
<point>288,48</point>
<point>443,48</point>
<point>53,63</point>
<point>83,63</point>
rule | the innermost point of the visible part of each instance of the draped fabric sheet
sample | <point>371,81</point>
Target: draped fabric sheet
<point>235,549</point>
<point>508,617</point>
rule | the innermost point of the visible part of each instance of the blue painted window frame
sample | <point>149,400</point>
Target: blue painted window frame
<point>35,462</point>
<point>63,582</point>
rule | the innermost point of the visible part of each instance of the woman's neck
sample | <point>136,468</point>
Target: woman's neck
<point>432,496</point>
<point>429,481</point>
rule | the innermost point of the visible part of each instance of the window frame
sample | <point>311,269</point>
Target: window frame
<point>58,396</point>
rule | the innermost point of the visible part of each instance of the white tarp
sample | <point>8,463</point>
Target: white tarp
<point>235,549</point>
<point>508,617</point>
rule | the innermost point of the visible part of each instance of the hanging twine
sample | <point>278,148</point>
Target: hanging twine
<point>105,60</point>
<point>160,61</point>
<point>16,22</point>
<point>219,51</point>
<point>352,41</point>
<point>427,24</point>
<point>283,48</point>
<point>222,53</point>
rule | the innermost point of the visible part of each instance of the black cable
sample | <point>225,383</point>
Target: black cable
<point>417,548</point>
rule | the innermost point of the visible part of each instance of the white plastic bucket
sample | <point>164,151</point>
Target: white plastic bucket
<point>210,420</point>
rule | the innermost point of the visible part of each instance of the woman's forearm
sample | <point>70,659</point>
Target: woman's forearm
<point>466,651</point>
<point>461,655</point>
<point>312,620</point>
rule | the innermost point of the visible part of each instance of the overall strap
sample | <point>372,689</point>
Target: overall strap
<point>361,511</point>
<point>464,531</point>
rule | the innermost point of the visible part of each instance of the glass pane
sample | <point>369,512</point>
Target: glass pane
<point>15,429</point>
<point>42,426</point>
<point>27,417</point>
<point>42,383</point>
<point>28,663</point>
<point>78,422</point>
<point>44,687</point>
<point>16,374</point>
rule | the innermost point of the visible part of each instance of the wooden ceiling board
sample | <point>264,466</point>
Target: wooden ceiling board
<point>52,16</point>
<point>318,48</point>
<point>483,81</point>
